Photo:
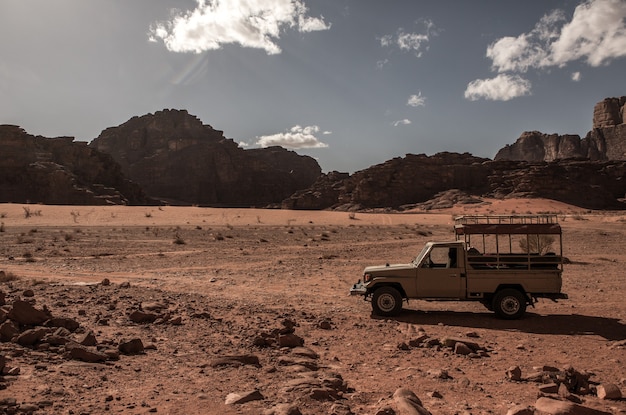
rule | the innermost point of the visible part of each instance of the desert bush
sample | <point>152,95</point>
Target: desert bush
<point>68,237</point>
<point>75,215</point>
<point>178,240</point>
<point>148,214</point>
<point>28,213</point>
<point>3,214</point>
<point>352,215</point>
<point>537,244</point>
<point>1,226</point>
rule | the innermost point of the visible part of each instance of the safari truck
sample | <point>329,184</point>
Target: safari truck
<point>504,262</point>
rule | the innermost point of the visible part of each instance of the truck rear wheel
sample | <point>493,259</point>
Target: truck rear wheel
<point>387,301</point>
<point>509,304</point>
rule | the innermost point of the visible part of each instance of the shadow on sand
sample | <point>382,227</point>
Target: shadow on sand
<point>563,324</point>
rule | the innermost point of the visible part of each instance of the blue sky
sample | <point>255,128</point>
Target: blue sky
<point>350,82</point>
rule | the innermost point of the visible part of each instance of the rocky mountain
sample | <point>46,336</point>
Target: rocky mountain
<point>415,179</point>
<point>606,141</point>
<point>175,157</point>
<point>60,171</point>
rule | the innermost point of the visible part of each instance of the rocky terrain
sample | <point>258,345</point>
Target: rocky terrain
<point>405,182</point>
<point>234,311</point>
<point>174,157</point>
<point>60,171</point>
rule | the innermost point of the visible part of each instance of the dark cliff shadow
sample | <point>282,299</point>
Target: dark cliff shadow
<point>563,324</point>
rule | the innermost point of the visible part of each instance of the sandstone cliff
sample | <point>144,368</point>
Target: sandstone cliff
<point>416,179</point>
<point>606,141</point>
<point>60,171</point>
<point>175,157</point>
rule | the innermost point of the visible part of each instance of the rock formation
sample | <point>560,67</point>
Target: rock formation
<point>175,157</point>
<point>417,178</point>
<point>60,171</point>
<point>606,141</point>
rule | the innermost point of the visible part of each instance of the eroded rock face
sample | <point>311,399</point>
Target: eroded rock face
<point>60,171</point>
<point>175,157</point>
<point>415,179</point>
<point>607,140</point>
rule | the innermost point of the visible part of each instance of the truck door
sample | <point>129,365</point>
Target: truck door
<point>439,274</point>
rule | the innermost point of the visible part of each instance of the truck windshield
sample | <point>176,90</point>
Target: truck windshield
<point>421,255</point>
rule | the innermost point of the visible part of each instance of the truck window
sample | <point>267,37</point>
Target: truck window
<point>440,257</point>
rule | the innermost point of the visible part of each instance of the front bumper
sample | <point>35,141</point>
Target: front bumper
<point>358,289</point>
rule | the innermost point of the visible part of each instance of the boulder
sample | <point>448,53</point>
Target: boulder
<point>608,391</point>
<point>409,403</point>
<point>23,313</point>
<point>547,406</point>
<point>237,398</point>
<point>132,346</point>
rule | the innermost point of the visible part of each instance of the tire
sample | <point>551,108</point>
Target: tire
<point>387,301</point>
<point>509,304</point>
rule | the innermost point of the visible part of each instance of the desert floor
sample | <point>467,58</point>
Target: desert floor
<point>224,282</point>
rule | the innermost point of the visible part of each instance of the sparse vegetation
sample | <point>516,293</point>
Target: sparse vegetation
<point>148,214</point>
<point>352,215</point>
<point>28,212</point>
<point>75,214</point>
<point>178,240</point>
<point>537,244</point>
<point>1,226</point>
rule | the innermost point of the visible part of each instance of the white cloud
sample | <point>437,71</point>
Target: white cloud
<point>249,23</point>
<point>501,88</point>
<point>416,100</point>
<point>411,42</point>
<point>596,34</point>
<point>401,122</point>
<point>296,137</point>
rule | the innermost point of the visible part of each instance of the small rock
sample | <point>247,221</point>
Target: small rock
<point>79,352</point>
<point>514,373</point>
<point>549,388</point>
<point>547,406</point>
<point>462,349</point>
<point>243,397</point>
<point>520,410</point>
<point>32,336</point>
<point>608,391</point>
<point>132,346</point>
<point>24,313</point>
<point>105,282</point>
<point>139,317</point>
<point>290,340</point>
<point>28,293</point>
<point>88,339</point>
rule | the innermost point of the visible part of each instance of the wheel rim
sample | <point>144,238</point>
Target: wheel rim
<point>386,302</point>
<point>510,305</point>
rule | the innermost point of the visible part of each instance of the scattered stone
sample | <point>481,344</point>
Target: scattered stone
<point>125,284</point>
<point>439,374</point>
<point>132,346</point>
<point>237,360</point>
<point>24,313</point>
<point>408,403</point>
<point>417,341</point>
<point>30,337</point>
<point>140,317</point>
<point>283,409</point>
<point>547,406</point>
<point>105,282</point>
<point>472,334</point>
<point>65,322</point>
<point>88,339</point>
<point>8,331</point>
<point>79,352</point>
<point>28,293</point>
<point>305,352</point>
<point>290,340</point>
<point>325,325</point>
<point>520,410</point>
<point>514,373</point>
<point>549,388</point>
<point>243,397</point>
<point>451,342</point>
<point>435,394</point>
<point>462,349</point>
<point>608,391</point>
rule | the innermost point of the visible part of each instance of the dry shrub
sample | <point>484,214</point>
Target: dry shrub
<point>537,244</point>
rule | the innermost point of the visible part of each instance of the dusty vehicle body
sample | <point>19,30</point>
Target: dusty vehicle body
<point>504,262</point>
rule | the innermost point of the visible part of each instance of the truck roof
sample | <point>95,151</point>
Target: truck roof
<point>507,224</point>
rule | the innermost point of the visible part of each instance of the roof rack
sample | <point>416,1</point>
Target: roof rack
<point>507,224</point>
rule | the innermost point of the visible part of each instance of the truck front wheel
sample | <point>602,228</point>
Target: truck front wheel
<point>509,304</point>
<point>387,301</point>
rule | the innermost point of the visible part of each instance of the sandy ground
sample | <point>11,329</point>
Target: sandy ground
<point>225,283</point>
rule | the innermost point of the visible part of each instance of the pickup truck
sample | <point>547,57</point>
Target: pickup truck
<point>513,269</point>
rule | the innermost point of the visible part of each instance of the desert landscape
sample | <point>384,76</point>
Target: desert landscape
<point>190,310</point>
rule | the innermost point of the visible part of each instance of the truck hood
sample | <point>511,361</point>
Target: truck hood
<point>383,268</point>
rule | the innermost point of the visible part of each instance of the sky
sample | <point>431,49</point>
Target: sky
<point>351,83</point>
